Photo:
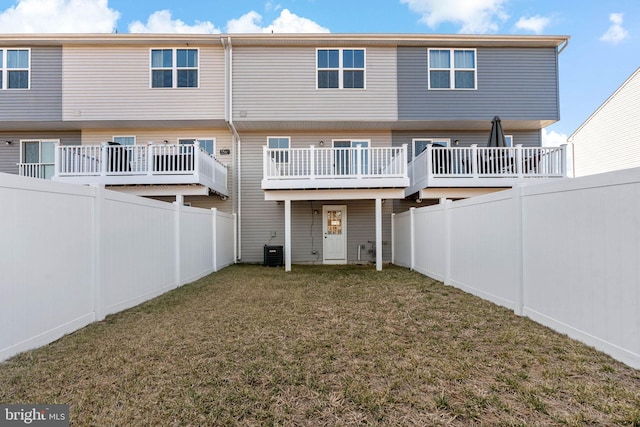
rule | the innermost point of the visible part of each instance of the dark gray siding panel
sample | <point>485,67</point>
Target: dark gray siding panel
<point>528,138</point>
<point>10,154</point>
<point>43,102</point>
<point>515,84</point>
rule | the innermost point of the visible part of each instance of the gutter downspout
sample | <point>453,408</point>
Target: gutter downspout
<point>237,155</point>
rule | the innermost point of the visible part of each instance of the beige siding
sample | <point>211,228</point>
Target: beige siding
<point>113,83</point>
<point>610,139</point>
<point>261,218</point>
<point>280,84</point>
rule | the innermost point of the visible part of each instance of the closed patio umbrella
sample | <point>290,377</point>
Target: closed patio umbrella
<point>496,138</point>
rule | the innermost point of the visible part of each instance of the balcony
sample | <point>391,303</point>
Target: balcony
<point>184,164</point>
<point>334,168</point>
<point>485,167</point>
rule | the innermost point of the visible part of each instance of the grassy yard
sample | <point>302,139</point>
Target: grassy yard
<point>323,345</point>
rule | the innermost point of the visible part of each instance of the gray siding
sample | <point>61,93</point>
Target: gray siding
<point>515,84</point>
<point>260,218</point>
<point>43,101</point>
<point>113,83</point>
<point>273,83</point>
<point>10,154</point>
<point>527,138</point>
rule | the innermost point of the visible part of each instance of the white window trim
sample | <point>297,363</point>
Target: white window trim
<point>199,138</point>
<point>446,141</point>
<point>509,137</point>
<point>5,69</point>
<point>135,140</point>
<point>452,69</point>
<point>280,137</point>
<point>174,67</point>
<point>341,68</point>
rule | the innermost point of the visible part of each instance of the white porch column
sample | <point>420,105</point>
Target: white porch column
<point>287,235</point>
<point>379,234</point>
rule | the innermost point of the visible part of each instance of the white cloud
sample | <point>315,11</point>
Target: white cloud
<point>59,16</point>
<point>269,6</point>
<point>162,22</point>
<point>535,24</point>
<point>287,22</point>
<point>474,16</point>
<point>553,138</point>
<point>616,32</point>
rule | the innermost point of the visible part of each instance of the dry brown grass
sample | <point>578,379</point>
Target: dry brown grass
<point>323,346</point>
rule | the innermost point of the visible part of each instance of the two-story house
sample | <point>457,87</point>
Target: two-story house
<point>314,141</point>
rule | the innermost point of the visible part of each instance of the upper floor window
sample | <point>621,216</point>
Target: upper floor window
<point>15,68</point>
<point>452,68</point>
<point>340,68</point>
<point>171,68</point>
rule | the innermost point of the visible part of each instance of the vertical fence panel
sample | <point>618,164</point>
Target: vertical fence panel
<point>69,258</point>
<point>563,253</point>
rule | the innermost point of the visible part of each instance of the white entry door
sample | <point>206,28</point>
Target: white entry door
<point>334,229</point>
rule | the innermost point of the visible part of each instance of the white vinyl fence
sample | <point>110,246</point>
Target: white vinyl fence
<point>70,255</point>
<point>565,254</point>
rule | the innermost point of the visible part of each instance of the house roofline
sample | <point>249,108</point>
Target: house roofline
<point>269,39</point>
<point>622,86</point>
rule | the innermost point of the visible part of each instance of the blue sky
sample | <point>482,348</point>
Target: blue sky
<point>603,51</point>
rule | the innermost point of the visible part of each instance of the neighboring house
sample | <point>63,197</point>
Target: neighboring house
<point>314,141</point>
<point>610,138</point>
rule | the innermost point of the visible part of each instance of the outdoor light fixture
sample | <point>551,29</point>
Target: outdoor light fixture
<point>8,142</point>
<point>321,143</point>
<point>456,142</point>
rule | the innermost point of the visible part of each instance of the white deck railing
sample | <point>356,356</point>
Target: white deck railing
<point>334,163</point>
<point>139,164</point>
<point>485,166</point>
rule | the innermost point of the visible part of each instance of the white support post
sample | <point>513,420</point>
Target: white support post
<point>519,253</point>
<point>287,235</point>
<point>379,234</point>
<point>474,160</point>
<point>359,161</point>
<point>429,160</point>
<point>412,237</point>
<point>179,203</point>
<point>56,160</point>
<point>235,238</point>
<point>447,237</point>
<point>150,159</point>
<point>519,160</point>
<point>563,160</point>
<point>104,159</point>
<point>196,158</point>
<point>98,308</point>
<point>214,241</point>
<point>393,238</point>
<point>312,162</point>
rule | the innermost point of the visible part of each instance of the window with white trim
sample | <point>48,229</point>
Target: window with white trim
<point>280,145</point>
<point>420,144</point>
<point>37,157</point>
<point>508,140</point>
<point>453,69</point>
<point>15,67</point>
<point>125,140</point>
<point>207,144</point>
<point>174,68</point>
<point>340,68</point>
